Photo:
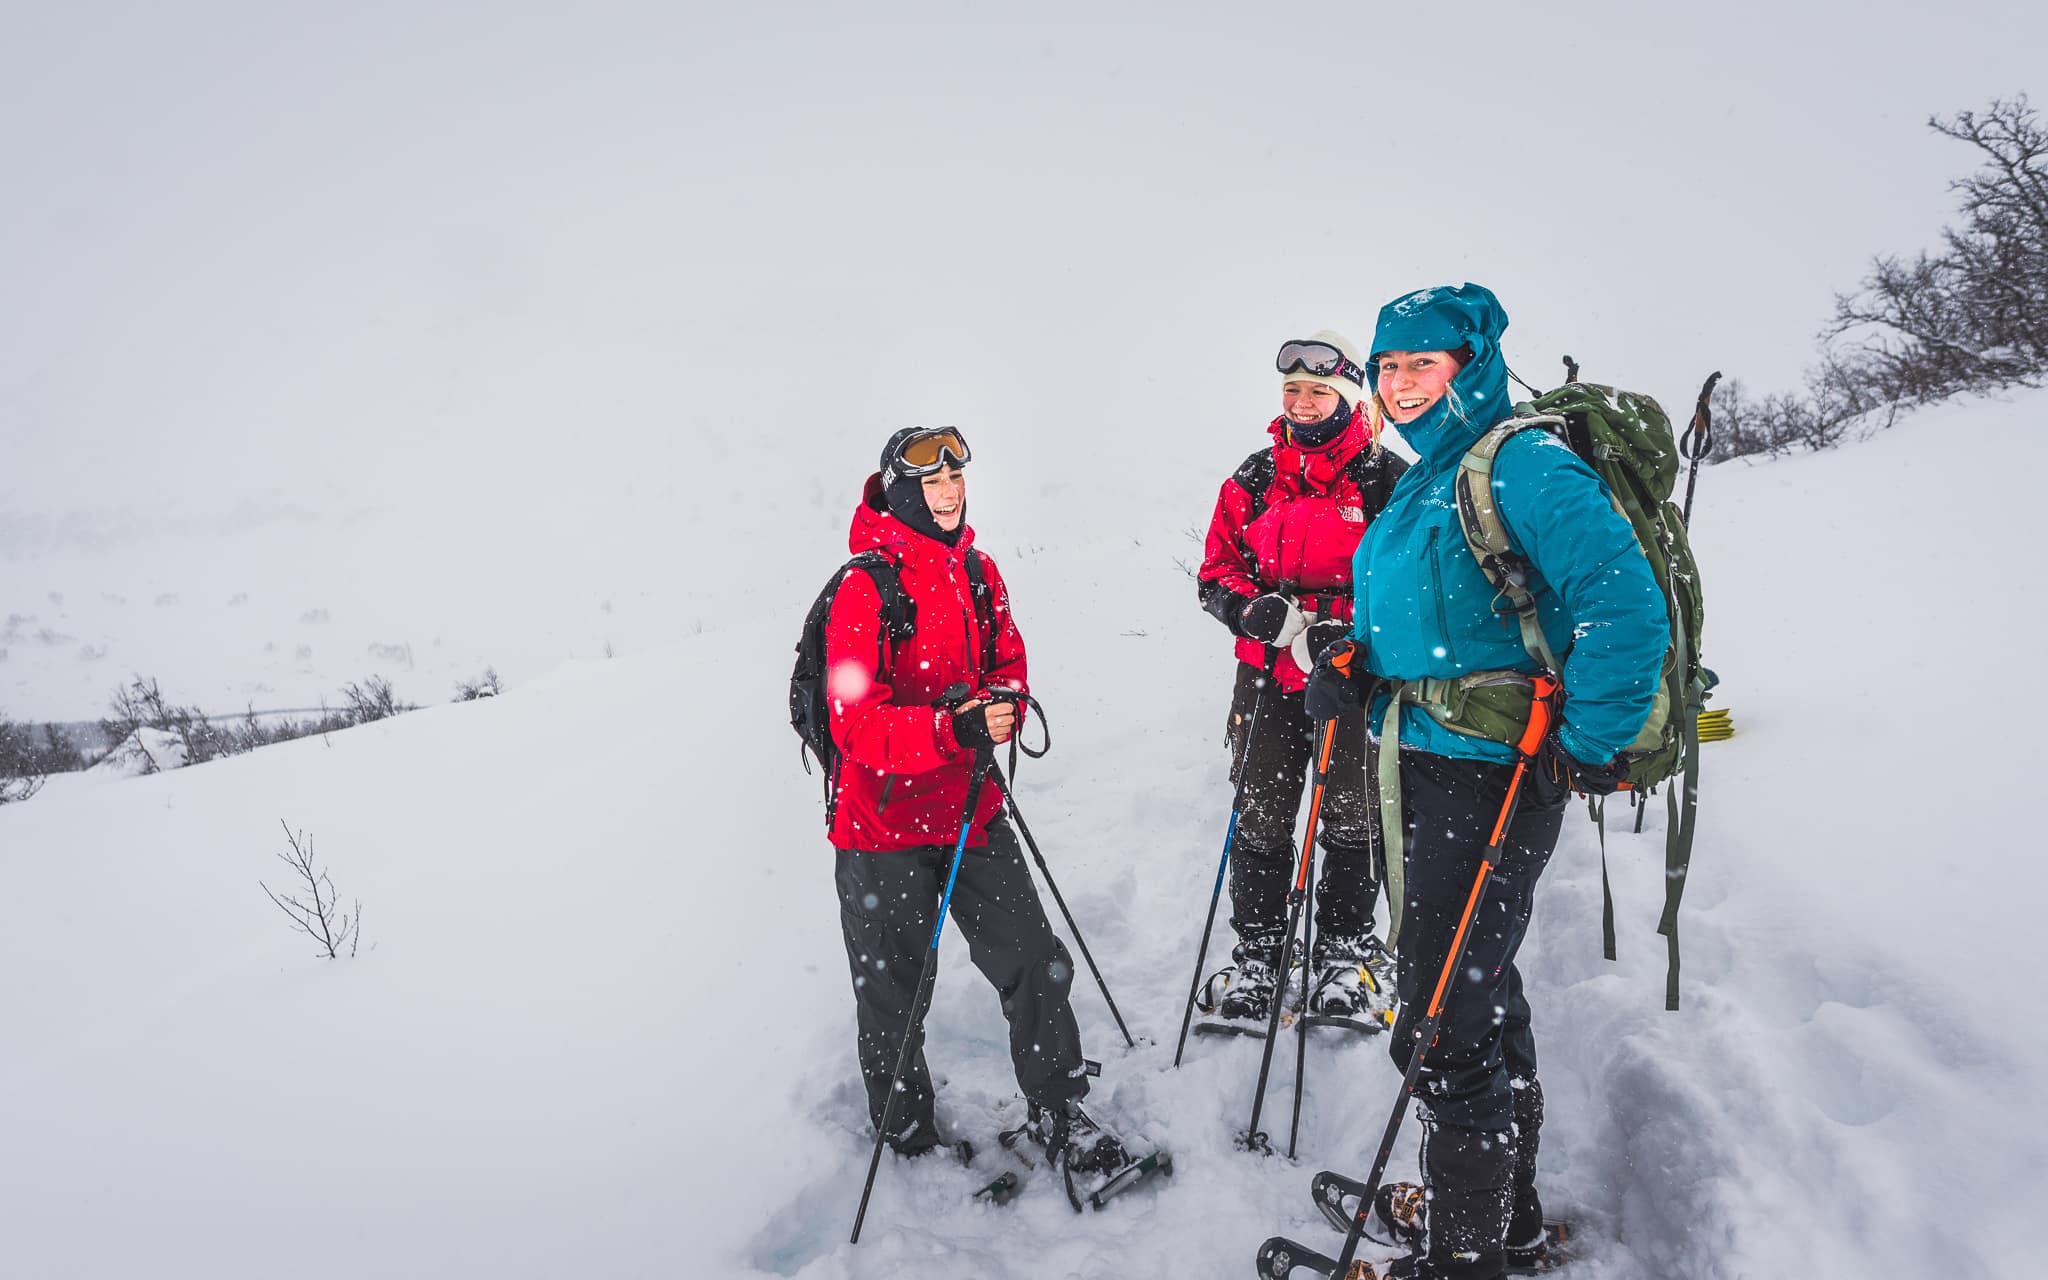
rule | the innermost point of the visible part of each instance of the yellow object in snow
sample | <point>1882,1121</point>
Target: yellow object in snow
<point>1716,726</point>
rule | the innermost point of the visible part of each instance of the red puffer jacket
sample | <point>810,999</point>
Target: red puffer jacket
<point>1290,519</point>
<point>902,775</point>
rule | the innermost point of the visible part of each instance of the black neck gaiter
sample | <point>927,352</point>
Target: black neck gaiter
<point>1318,435</point>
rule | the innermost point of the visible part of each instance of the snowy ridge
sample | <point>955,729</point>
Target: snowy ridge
<point>600,1023</point>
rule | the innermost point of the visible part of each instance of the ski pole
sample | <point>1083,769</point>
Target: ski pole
<point>1229,834</point>
<point>1253,1140</point>
<point>983,762</point>
<point>1308,960</point>
<point>1541,707</point>
<point>1697,442</point>
<point>1016,815</point>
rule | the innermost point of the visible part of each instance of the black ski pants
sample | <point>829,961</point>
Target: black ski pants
<point>1484,1043</point>
<point>888,905</point>
<point>1275,760</point>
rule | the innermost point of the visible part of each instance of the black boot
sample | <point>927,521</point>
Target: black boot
<point>1246,993</point>
<point>1468,1175</point>
<point>1525,1242</point>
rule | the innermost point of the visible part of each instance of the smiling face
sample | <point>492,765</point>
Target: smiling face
<point>1307,402</point>
<point>1412,381</point>
<point>945,492</point>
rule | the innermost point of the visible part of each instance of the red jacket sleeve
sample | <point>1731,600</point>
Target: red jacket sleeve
<point>1228,577</point>
<point>867,727</point>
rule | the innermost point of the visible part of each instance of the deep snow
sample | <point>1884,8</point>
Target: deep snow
<point>600,1024</point>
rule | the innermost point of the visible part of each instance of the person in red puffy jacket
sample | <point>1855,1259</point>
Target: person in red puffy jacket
<point>907,742</point>
<point>1276,570</point>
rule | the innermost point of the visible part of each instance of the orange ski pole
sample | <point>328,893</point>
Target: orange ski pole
<point>1542,709</point>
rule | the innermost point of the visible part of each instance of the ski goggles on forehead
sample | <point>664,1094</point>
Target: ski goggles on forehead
<point>927,451</point>
<point>1318,358</point>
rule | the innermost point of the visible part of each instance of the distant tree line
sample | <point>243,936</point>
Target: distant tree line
<point>1971,317</point>
<point>30,753</point>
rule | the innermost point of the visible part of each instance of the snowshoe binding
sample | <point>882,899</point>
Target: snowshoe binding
<point>1237,1001</point>
<point>1093,1162</point>
<point>1354,987</point>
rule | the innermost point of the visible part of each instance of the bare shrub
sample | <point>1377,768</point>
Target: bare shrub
<point>140,704</point>
<point>483,686</point>
<point>313,907</point>
<point>252,731</point>
<point>1975,315</point>
<point>371,699</point>
<point>20,773</point>
<point>1972,317</point>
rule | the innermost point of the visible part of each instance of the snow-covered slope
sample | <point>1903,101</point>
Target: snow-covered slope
<point>600,1026</point>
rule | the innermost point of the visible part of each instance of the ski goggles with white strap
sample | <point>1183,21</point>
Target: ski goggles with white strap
<point>1318,358</point>
<point>927,451</point>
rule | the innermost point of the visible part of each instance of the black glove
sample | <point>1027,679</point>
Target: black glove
<point>1336,687</point>
<point>1270,619</point>
<point>1309,645</point>
<point>1558,773</point>
<point>970,728</point>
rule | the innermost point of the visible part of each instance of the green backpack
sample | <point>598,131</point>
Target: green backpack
<point>1626,438</point>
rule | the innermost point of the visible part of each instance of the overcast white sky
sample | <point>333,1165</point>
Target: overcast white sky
<point>538,265</point>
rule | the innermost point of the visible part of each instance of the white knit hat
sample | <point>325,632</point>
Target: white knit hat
<point>1344,382</point>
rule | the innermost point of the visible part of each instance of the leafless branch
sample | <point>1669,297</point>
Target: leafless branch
<point>320,920</point>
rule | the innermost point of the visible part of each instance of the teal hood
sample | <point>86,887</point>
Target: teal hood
<point>1445,318</point>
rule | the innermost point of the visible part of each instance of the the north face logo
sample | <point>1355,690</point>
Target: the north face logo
<point>1355,515</point>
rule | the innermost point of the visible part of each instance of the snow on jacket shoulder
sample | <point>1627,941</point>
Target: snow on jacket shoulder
<point>902,776</point>
<point>1293,516</point>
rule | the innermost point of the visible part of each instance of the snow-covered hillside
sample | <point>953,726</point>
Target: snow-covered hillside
<point>600,1025</point>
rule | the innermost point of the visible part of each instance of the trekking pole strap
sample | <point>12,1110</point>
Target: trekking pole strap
<point>1697,442</point>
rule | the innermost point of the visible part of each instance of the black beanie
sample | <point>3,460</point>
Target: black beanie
<point>905,495</point>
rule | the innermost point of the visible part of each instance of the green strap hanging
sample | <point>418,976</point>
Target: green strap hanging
<point>1393,828</point>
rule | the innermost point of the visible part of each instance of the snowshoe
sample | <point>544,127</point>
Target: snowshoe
<point>1397,1210</point>
<point>1094,1163</point>
<point>1397,1222</point>
<point>1241,1000</point>
<point>1354,987</point>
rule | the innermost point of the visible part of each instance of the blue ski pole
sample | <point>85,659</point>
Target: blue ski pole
<point>1229,835</point>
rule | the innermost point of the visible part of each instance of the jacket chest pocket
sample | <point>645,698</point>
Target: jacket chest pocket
<point>1440,646</point>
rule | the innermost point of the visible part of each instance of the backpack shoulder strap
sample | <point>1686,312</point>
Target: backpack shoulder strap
<point>1486,533</point>
<point>984,608</point>
<point>899,611</point>
<point>1255,476</point>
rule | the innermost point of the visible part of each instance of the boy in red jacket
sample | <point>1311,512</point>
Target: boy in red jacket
<point>906,757</point>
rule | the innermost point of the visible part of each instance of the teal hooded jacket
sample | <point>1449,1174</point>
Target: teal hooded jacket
<point>1424,608</point>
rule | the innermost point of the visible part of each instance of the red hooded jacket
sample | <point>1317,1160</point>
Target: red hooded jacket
<point>902,775</point>
<point>1290,519</point>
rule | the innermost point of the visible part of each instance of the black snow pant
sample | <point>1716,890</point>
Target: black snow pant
<point>888,905</point>
<point>1480,1103</point>
<point>1276,764</point>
